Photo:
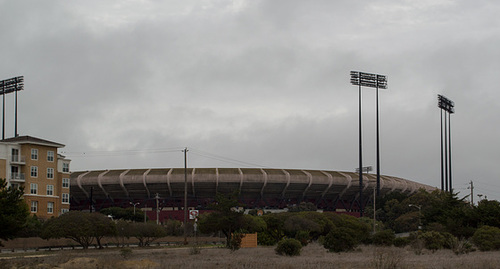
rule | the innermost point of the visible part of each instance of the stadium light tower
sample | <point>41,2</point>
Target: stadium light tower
<point>185,150</point>
<point>373,81</point>
<point>448,107</point>
<point>7,86</point>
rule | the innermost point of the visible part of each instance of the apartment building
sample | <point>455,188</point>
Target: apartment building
<point>36,165</point>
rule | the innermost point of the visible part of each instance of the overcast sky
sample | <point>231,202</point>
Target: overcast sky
<point>129,84</point>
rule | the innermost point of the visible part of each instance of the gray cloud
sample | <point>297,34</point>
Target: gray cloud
<point>128,84</point>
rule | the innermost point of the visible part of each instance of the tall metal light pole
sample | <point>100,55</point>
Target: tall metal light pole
<point>448,107</point>
<point>7,86</point>
<point>185,196</point>
<point>372,81</point>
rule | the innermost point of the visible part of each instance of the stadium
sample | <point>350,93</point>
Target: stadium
<point>257,187</point>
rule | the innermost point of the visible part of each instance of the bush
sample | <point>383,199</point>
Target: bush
<point>235,242</point>
<point>432,240</point>
<point>383,238</point>
<point>195,250</point>
<point>289,247</point>
<point>401,242</point>
<point>460,246</point>
<point>126,252</point>
<point>303,237</point>
<point>340,239</point>
<point>487,238</point>
<point>174,228</point>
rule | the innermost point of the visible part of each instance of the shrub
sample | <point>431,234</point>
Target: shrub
<point>401,242</point>
<point>383,238</point>
<point>195,250</point>
<point>387,258</point>
<point>235,242</point>
<point>340,239</point>
<point>125,252</point>
<point>289,247</point>
<point>459,246</point>
<point>417,245</point>
<point>432,240</point>
<point>487,238</point>
<point>303,237</point>
<point>174,228</point>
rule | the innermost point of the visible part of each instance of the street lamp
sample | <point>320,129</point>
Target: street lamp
<point>419,214</point>
<point>372,81</point>
<point>134,204</point>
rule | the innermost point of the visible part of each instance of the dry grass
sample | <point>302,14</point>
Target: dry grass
<point>312,256</point>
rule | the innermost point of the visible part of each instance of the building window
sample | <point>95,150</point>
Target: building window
<point>34,154</point>
<point>33,188</point>
<point>65,168</point>
<point>50,189</point>
<point>50,156</point>
<point>50,173</point>
<point>65,198</point>
<point>34,171</point>
<point>65,183</point>
<point>64,210</point>
<point>34,206</point>
<point>50,207</point>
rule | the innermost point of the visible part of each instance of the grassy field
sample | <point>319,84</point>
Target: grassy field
<point>312,256</point>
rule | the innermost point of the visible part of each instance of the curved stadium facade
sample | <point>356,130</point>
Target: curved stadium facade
<point>257,188</point>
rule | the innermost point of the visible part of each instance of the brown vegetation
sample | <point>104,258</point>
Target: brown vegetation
<point>312,256</point>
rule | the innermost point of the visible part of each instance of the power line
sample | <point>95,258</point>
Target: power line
<point>98,153</point>
<point>224,159</point>
<point>130,152</point>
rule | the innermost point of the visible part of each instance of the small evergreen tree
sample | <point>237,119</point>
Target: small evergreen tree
<point>13,211</point>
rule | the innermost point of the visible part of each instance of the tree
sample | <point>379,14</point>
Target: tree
<point>298,223</point>
<point>81,227</point>
<point>252,224</point>
<point>147,232</point>
<point>488,213</point>
<point>275,228</point>
<point>102,226</point>
<point>123,213</point>
<point>224,218</point>
<point>32,228</point>
<point>13,211</point>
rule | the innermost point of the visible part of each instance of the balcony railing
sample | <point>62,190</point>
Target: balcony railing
<point>18,159</point>
<point>17,177</point>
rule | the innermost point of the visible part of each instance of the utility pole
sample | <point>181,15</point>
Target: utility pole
<point>471,193</point>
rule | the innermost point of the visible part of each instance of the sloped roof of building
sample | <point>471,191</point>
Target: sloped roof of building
<point>26,139</point>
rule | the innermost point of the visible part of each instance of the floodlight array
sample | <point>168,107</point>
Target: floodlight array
<point>12,85</point>
<point>446,104</point>
<point>368,80</point>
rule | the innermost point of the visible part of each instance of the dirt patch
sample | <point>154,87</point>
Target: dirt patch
<point>78,263</point>
<point>141,264</point>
